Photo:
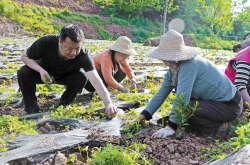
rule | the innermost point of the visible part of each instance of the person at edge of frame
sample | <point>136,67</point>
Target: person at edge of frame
<point>239,47</point>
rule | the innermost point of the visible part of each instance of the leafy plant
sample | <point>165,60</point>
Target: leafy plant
<point>243,138</point>
<point>11,125</point>
<point>133,128</point>
<point>118,155</point>
<point>183,111</point>
<point>3,145</point>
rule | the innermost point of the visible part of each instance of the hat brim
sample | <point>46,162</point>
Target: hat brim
<point>128,51</point>
<point>185,53</point>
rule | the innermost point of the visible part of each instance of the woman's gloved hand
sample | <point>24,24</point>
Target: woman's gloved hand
<point>133,82</point>
<point>164,132</point>
<point>123,89</point>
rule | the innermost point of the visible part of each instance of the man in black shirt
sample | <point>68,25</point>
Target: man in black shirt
<point>61,56</point>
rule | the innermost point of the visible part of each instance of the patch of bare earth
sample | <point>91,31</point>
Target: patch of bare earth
<point>9,26</point>
<point>83,6</point>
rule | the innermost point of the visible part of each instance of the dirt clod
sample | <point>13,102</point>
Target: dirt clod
<point>60,159</point>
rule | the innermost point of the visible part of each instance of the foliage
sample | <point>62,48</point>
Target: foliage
<point>133,128</point>
<point>3,145</point>
<point>73,111</point>
<point>243,138</point>
<point>32,17</point>
<point>12,68</point>
<point>134,8</point>
<point>212,42</point>
<point>183,111</point>
<point>118,155</point>
<point>165,108</point>
<point>210,152</point>
<point>45,88</point>
<point>141,35</point>
<point>4,89</point>
<point>131,97</point>
<point>11,125</point>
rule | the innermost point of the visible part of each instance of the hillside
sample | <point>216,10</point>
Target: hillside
<point>86,7</point>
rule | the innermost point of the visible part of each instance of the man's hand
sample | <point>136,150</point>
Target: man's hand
<point>123,89</point>
<point>45,76</point>
<point>164,132</point>
<point>133,82</point>
<point>111,110</point>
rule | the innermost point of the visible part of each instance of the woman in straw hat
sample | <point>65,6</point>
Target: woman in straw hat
<point>200,80</point>
<point>112,65</point>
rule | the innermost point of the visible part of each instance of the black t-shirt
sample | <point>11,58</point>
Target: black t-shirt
<point>45,51</point>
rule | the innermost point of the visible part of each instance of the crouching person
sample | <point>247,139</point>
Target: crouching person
<point>61,56</point>
<point>200,80</point>
<point>112,65</point>
<point>238,71</point>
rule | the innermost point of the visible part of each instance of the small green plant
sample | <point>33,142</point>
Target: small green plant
<point>11,125</point>
<point>71,159</point>
<point>3,145</point>
<point>133,128</point>
<point>95,98</point>
<point>118,155</point>
<point>183,111</point>
<point>243,138</point>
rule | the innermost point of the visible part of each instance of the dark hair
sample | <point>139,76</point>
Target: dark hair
<point>245,36</point>
<point>236,47</point>
<point>74,32</point>
<point>113,58</point>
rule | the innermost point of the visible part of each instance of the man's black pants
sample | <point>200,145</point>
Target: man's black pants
<point>28,78</point>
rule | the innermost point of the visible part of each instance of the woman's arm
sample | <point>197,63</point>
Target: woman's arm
<point>241,79</point>
<point>160,97</point>
<point>245,96</point>
<point>106,67</point>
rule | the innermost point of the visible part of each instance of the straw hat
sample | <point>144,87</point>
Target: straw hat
<point>123,45</point>
<point>172,48</point>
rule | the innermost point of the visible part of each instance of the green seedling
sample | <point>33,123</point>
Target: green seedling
<point>4,142</point>
<point>119,155</point>
<point>183,112</point>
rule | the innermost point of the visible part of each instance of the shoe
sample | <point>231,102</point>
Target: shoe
<point>223,131</point>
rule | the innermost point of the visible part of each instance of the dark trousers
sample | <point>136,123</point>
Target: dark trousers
<point>118,76</point>
<point>212,115</point>
<point>28,78</point>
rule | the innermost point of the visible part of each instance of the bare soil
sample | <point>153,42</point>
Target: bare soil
<point>79,6</point>
<point>9,26</point>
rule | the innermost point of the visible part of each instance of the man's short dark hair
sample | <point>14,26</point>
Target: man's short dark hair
<point>74,32</point>
<point>236,47</point>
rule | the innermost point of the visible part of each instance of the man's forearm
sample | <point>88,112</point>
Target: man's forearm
<point>31,63</point>
<point>103,92</point>
<point>99,86</point>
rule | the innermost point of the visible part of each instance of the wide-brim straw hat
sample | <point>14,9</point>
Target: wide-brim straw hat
<point>172,48</point>
<point>123,45</point>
